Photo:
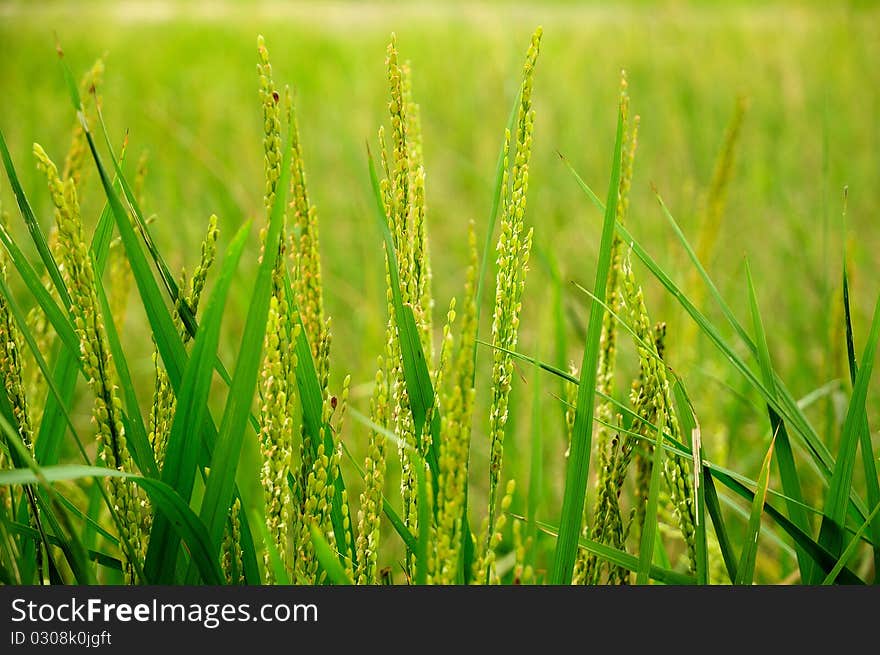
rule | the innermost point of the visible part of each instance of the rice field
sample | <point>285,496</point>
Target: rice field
<point>329,293</point>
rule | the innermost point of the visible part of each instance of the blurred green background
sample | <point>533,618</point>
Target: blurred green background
<point>181,81</point>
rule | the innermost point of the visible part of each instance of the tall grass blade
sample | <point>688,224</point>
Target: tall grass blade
<point>851,547</point>
<point>31,221</point>
<point>831,532</point>
<point>183,447</point>
<point>221,482</point>
<point>791,484</point>
<point>329,559</point>
<point>721,533</point>
<point>745,572</point>
<point>649,529</point>
<point>865,447</point>
<point>578,465</point>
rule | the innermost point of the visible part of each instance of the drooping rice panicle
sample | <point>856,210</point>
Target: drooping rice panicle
<point>513,251</point>
<point>654,405</point>
<point>129,501</point>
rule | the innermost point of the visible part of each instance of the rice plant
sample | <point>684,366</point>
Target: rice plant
<point>243,469</point>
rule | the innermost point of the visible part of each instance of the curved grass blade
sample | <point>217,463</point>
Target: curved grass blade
<point>620,558</point>
<point>578,465</point>
<point>164,497</point>
<point>59,320</point>
<point>32,225</point>
<point>329,559</point>
<point>311,401</point>
<point>135,431</point>
<point>821,555</point>
<point>424,518</point>
<point>278,568</point>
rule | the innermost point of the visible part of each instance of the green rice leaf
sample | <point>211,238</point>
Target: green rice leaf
<point>329,559</point>
<point>872,481</point>
<point>183,447</point>
<point>745,572</point>
<point>415,368</point>
<point>831,532</point>
<point>578,465</point>
<point>851,547</point>
<point>714,509</point>
<point>32,225</point>
<point>220,486</point>
<point>649,528</point>
<point>621,558</point>
<point>791,484</point>
<point>424,519</point>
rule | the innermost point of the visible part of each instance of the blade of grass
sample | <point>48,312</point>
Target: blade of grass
<point>578,465</point>
<point>424,519</point>
<point>183,447</point>
<point>850,549</point>
<point>619,557</point>
<point>865,447</point>
<point>56,316</point>
<point>785,406</point>
<point>311,401</point>
<point>821,555</point>
<point>831,532</point>
<point>278,568</point>
<point>329,559</point>
<point>791,484</point>
<point>649,528</point>
<point>32,225</point>
<point>536,470</point>
<point>745,572</point>
<point>714,509</point>
<point>221,482</point>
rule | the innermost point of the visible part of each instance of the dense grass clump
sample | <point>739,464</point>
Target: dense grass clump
<point>260,467</point>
